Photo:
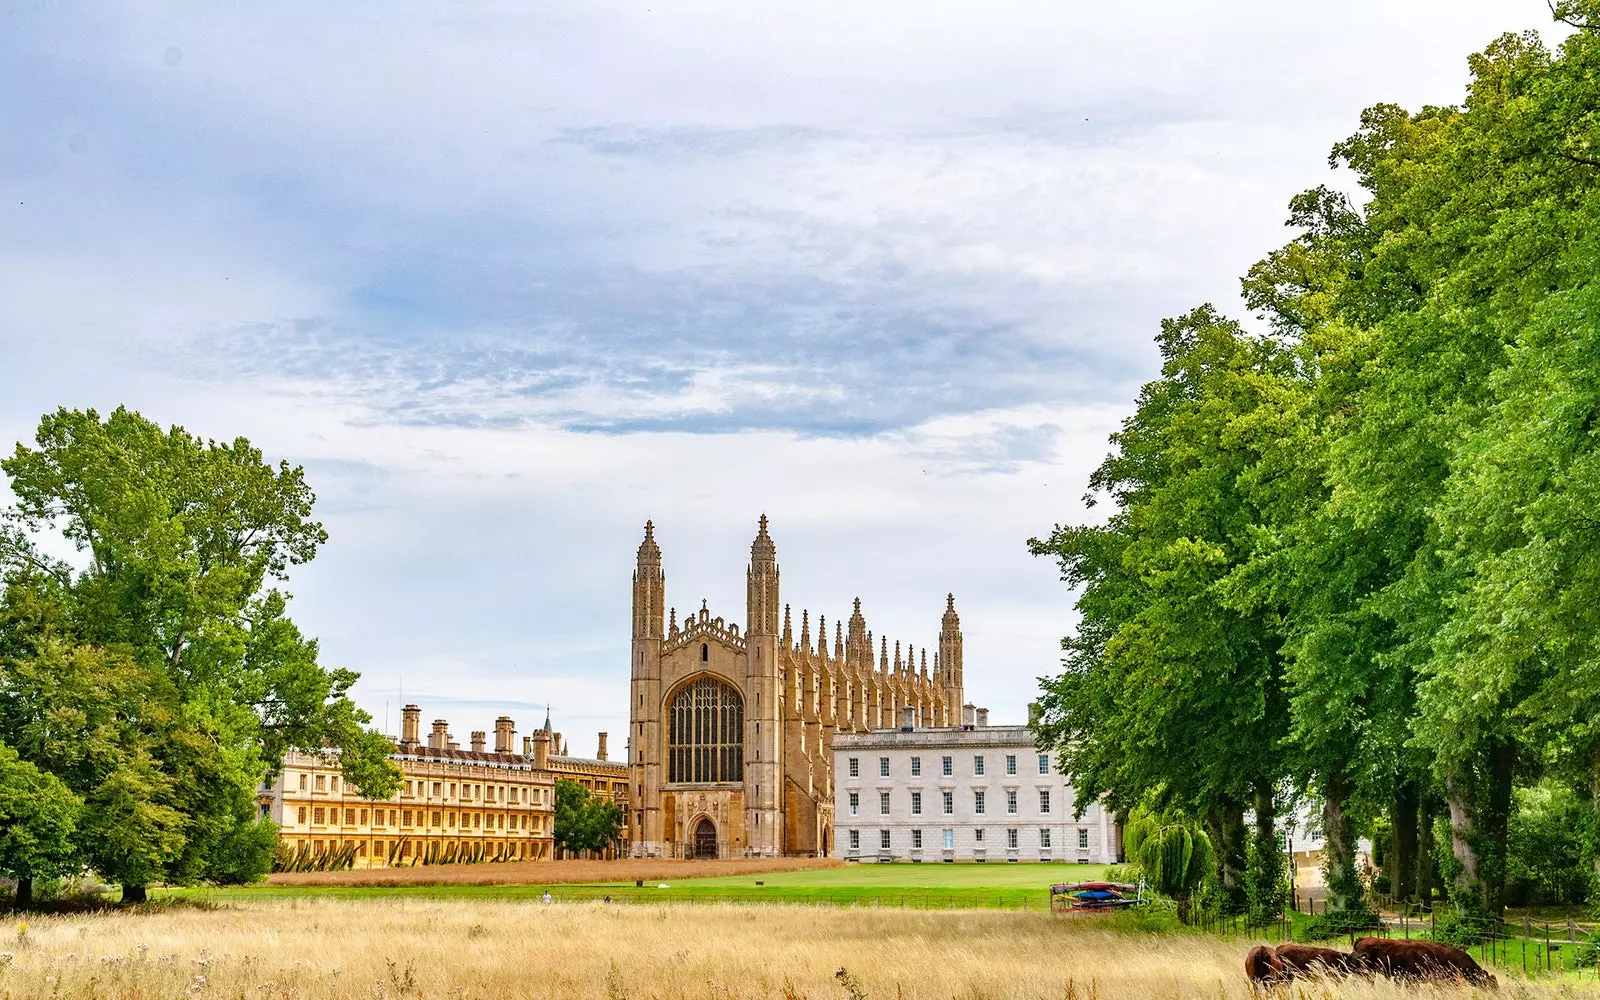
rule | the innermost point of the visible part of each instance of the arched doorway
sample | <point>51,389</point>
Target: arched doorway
<point>705,839</point>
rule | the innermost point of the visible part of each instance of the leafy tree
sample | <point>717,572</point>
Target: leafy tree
<point>584,822</point>
<point>38,817</point>
<point>1171,690</point>
<point>163,680</point>
<point>1173,854</point>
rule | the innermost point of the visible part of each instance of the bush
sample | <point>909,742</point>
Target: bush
<point>1338,924</point>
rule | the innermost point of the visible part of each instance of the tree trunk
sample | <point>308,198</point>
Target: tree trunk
<point>1265,879</point>
<point>1403,843</point>
<point>24,898</point>
<point>1425,845</point>
<point>1230,848</point>
<point>135,894</point>
<point>1594,802</point>
<point>1496,823</point>
<point>1338,846</point>
<point>1463,841</point>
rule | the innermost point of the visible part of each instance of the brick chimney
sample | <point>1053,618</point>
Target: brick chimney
<point>983,716</point>
<point>527,746</point>
<point>439,739</point>
<point>479,739</point>
<point>410,723</point>
<point>969,714</point>
<point>600,751</point>
<point>908,718</point>
<point>504,733</point>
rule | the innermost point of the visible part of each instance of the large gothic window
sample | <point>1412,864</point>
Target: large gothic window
<point>705,739</point>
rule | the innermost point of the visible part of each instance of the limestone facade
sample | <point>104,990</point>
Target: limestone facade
<point>972,792</point>
<point>495,803</point>
<point>731,729</point>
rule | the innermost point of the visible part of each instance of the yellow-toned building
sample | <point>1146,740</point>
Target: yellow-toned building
<point>475,802</point>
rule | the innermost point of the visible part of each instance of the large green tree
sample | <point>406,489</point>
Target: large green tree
<point>159,676</point>
<point>1172,694</point>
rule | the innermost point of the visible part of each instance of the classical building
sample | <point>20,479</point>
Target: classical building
<point>973,792</point>
<point>472,802</point>
<point>730,730</point>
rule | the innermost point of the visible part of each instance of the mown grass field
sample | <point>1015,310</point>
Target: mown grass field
<point>930,886</point>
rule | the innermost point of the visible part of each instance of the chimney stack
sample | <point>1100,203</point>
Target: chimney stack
<point>541,750</point>
<point>439,739</point>
<point>969,714</point>
<point>410,723</point>
<point>478,740</point>
<point>504,733</point>
<point>600,753</point>
<point>983,716</point>
<point>527,746</point>
<point>908,719</point>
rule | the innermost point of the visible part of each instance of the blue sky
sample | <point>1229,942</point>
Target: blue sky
<point>510,278</point>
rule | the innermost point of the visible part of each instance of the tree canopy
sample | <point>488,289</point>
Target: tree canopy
<point>1351,552</point>
<point>584,822</point>
<point>159,677</point>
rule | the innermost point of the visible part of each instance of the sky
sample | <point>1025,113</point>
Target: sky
<point>508,279</point>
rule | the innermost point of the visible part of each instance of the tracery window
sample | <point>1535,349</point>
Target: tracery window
<point>705,740</point>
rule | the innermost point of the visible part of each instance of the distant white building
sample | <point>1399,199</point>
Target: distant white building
<point>974,792</point>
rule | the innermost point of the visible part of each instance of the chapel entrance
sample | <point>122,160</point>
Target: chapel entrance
<point>705,839</point>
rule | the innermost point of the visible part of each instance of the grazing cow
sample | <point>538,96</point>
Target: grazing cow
<point>1303,960</point>
<point>1262,966</point>
<point>1418,960</point>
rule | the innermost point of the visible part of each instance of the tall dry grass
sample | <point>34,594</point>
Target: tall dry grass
<point>380,949</point>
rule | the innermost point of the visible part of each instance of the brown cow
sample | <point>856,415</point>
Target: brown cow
<point>1304,960</point>
<point>1262,966</point>
<point>1418,960</point>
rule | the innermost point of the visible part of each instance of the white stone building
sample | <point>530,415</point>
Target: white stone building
<point>973,792</point>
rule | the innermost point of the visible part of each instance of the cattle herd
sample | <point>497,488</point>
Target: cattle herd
<point>1405,960</point>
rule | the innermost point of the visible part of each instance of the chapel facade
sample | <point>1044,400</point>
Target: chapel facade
<point>731,730</point>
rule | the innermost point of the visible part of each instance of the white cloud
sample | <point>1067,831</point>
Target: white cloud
<point>905,259</point>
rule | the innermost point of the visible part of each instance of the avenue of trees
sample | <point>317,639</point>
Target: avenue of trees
<point>149,685</point>
<point>1354,554</point>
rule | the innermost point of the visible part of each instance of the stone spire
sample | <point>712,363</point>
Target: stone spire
<point>838,641</point>
<point>788,632</point>
<point>761,594</point>
<point>649,588</point>
<point>949,659</point>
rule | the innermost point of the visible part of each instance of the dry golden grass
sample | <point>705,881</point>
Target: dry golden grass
<point>552,872</point>
<point>381,949</point>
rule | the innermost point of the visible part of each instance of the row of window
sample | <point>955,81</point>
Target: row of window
<point>979,802</point>
<point>977,834</point>
<point>380,848</point>
<point>469,791</point>
<point>439,819</point>
<point>947,765</point>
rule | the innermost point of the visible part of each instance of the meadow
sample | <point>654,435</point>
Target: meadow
<point>377,949</point>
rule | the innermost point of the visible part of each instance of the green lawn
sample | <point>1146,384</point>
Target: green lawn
<point>929,886</point>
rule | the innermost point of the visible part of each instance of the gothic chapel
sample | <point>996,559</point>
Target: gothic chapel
<point>731,732</point>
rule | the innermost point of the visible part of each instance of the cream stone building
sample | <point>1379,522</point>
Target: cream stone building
<point>972,792</point>
<point>467,802</point>
<point>731,729</point>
